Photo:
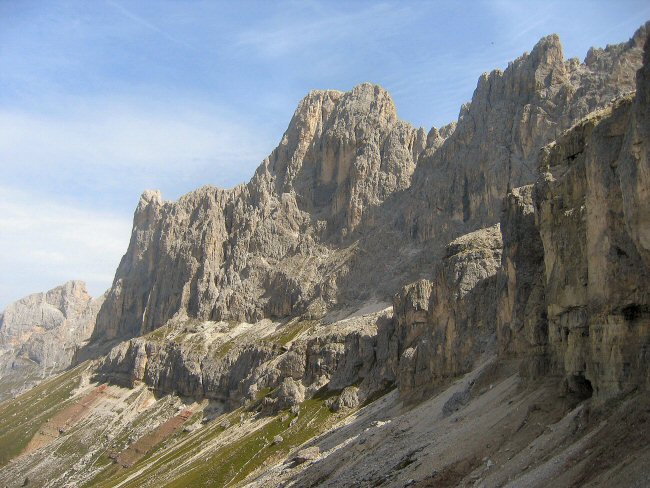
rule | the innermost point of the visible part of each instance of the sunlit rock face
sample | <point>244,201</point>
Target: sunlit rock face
<point>574,294</point>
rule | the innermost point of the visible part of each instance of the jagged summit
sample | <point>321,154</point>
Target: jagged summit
<point>353,202</point>
<point>496,141</point>
<point>548,50</point>
<point>150,196</point>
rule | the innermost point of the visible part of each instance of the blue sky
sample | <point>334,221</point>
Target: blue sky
<point>102,99</point>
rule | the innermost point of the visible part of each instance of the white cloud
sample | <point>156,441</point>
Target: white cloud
<point>71,179</point>
<point>320,26</point>
<point>116,135</point>
<point>45,243</point>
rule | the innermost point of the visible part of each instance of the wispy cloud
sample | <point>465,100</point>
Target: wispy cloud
<point>146,23</point>
<point>47,243</point>
<point>58,168</point>
<point>317,27</point>
<point>122,136</point>
<point>101,143</point>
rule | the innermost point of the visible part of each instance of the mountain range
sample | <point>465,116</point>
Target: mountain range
<point>380,305</point>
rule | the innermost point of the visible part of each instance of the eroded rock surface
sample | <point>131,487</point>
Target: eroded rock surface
<point>574,297</point>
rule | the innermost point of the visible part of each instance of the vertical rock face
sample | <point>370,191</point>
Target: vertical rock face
<point>353,203</point>
<point>573,289</point>
<point>522,327</point>
<point>42,331</point>
<point>633,169</point>
<point>346,152</point>
<point>596,279</point>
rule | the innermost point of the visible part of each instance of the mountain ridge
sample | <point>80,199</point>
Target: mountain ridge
<point>347,170</point>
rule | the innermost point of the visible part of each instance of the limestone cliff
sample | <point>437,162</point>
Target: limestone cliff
<point>570,286</point>
<point>353,203</point>
<point>574,287</point>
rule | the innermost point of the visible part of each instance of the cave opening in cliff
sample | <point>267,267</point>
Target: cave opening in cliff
<point>580,386</point>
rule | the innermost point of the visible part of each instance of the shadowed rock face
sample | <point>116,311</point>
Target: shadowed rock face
<point>443,326</point>
<point>574,295</point>
<point>596,278</point>
<point>522,328</point>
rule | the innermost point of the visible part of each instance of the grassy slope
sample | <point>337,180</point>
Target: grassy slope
<point>21,417</point>
<point>230,462</point>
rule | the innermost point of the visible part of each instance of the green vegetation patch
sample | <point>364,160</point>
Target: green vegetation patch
<point>160,461</point>
<point>160,333</point>
<point>224,348</point>
<point>290,331</point>
<point>21,417</point>
<point>230,463</point>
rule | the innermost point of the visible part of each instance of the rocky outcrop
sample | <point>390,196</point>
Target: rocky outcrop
<point>233,363</point>
<point>443,326</point>
<point>571,285</point>
<point>197,364</point>
<point>353,203</point>
<point>39,334</point>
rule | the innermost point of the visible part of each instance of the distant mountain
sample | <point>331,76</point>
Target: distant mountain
<point>39,334</point>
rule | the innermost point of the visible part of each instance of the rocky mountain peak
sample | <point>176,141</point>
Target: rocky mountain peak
<point>350,186</point>
<point>69,297</point>
<point>345,151</point>
<point>150,196</point>
<point>42,310</point>
<point>547,51</point>
<point>495,144</point>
